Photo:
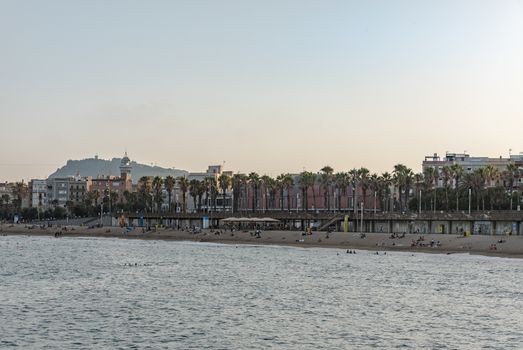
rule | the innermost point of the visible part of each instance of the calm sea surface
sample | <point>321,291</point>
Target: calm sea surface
<point>74,293</point>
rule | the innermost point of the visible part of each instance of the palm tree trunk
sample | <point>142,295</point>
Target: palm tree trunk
<point>305,205</point>
<point>313,197</point>
<point>254,199</point>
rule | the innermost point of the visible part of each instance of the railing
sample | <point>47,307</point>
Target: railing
<point>367,215</point>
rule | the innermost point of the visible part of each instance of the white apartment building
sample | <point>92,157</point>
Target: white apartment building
<point>38,197</point>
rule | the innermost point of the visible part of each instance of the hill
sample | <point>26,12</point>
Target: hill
<point>97,167</point>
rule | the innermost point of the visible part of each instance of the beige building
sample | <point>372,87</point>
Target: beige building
<point>469,164</point>
<point>114,183</point>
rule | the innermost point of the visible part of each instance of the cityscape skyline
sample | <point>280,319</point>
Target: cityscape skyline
<point>415,169</point>
<point>267,87</point>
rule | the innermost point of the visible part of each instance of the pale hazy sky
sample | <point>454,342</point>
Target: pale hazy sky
<point>267,86</point>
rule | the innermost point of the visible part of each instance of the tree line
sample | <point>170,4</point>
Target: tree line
<point>447,189</point>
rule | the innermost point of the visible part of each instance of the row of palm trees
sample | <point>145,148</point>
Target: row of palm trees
<point>401,190</point>
<point>449,188</point>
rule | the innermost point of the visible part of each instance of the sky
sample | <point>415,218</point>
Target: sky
<point>266,86</point>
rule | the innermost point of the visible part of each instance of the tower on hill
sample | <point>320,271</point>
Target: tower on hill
<point>125,168</point>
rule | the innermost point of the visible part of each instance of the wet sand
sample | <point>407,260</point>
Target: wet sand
<point>512,246</point>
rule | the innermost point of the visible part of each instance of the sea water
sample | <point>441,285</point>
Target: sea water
<point>101,293</point>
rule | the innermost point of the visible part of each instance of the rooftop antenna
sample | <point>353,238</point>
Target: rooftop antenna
<point>509,152</point>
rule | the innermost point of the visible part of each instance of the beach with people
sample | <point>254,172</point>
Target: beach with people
<point>489,245</point>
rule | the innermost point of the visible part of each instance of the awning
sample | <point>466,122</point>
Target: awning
<point>243,219</point>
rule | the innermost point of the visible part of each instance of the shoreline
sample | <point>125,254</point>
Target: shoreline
<point>510,246</point>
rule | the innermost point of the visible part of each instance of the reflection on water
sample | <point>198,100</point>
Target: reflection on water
<point>96,293</point>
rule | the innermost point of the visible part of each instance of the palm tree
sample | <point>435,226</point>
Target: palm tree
<point>288,184</point>
<point>113,198</point>
<point>244,181</point>
<point>374,185</point>
<point>254,180</point>
<point>225,182</point>
<point>430,175</point>
<point>457,173</point>
<point>326,180</point>
<point>206,187</point>
<point>363,177</point>
<point>184,187</point>
<point>475,181</point>
<point>170,183</point>
<point>236,191</point>
<point>491,174</point>
<point>307,181</point>
<point>481,179</point>
<point>510,175</point>
<point>354,179</point>
<point>273,190</point>
<point>239,184</point>
<point>385,183</point>
<point>144,190</point>
<point>304,185</point>
<point>402,179</point>
<point>193,191</point>
<point>341,182</point>
<point>446,174</point>
<point>281,188</point>
<point>200,190</point>
<point>213,188</point>
<point>312,178</point>
<point>266,182</point>
<point>419,184</point>
<point>157,187</point>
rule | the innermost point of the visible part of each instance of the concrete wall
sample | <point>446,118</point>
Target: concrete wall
<point>382,227</point>
<point>506,227</point>
<point>460,227</point>
<point>400,226</point>
<point>420,227</point>
<point>482,228</point>
<point>440,227</point>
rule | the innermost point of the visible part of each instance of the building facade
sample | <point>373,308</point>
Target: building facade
<point>119,185</point>
<point>38,190</point>
<point>470,164</point>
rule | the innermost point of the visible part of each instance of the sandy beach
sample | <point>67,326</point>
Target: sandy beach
<point>505,246</point>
